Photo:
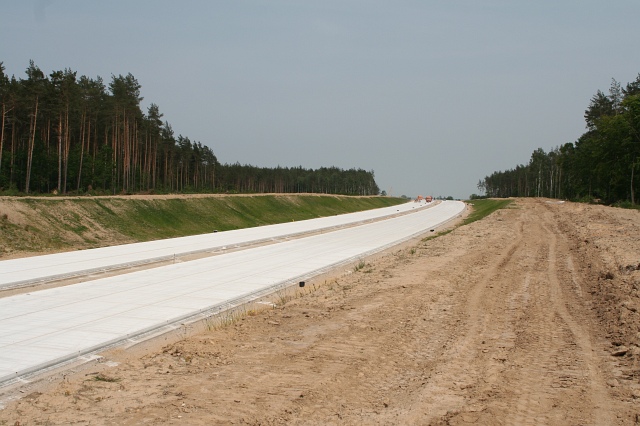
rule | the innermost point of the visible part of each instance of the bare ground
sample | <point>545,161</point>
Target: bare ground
<point>529,316</point>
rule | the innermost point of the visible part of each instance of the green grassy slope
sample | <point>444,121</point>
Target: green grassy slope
<point>45,224</point>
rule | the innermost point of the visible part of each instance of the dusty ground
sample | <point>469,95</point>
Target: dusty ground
<point>527,317</point>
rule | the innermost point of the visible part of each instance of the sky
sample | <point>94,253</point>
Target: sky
<point>432,95</point>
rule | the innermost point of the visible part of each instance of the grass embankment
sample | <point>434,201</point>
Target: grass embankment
<point>480,209</point>
<point>483,208</point>
<point>152,219</point>
<point>46,224</point>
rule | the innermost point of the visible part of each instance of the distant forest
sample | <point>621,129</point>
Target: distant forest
<point>603,164</point>
<point>63,134</point>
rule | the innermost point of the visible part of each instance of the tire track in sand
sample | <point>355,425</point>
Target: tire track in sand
<point>553,366</point>
<point>456,373</point>
<point>600,399</point>
<point>527,359</point>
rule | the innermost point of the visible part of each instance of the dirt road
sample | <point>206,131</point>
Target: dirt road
<point>529,316</point>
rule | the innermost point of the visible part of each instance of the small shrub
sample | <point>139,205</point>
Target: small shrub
<point>627,205</point>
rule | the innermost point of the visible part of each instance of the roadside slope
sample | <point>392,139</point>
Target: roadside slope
<point>30,226</point>
<point>503,321</point>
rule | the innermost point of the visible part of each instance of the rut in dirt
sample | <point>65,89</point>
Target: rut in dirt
<point>528,351</point>
<point>491,324</point>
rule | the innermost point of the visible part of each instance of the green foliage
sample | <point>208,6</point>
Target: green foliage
<point>80,135</point>
<point>627,205</point>
<point>603,164</point>
<point>483,208</point>
<point>477,197</point>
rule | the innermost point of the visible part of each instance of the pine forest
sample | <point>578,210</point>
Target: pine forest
<point>601,166</point>
<point>64,134</point>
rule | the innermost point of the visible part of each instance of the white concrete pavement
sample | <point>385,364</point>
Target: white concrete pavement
<point>26,271</point>
<point>44,328</point>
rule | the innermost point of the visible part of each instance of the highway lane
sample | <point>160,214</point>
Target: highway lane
<point>44,328</point>
<point>27,271</point>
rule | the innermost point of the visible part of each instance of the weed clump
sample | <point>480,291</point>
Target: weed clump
<point>359,266</point>
<point>104,378</point>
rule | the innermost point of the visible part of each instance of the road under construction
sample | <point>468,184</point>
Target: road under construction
<point>43,329</point>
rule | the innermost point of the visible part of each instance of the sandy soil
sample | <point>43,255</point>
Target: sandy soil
<point>527,317</point>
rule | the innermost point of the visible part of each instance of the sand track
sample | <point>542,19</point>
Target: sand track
<point>513,320</point>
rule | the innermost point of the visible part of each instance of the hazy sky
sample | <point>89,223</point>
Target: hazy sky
<point>432,95</point>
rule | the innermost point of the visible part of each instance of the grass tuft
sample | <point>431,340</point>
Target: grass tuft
<point>359,266</point>
<point>104,378</point>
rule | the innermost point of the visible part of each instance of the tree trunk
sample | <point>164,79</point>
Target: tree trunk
<point>4,113</point>
<point>84,130</point>
<point>633,200</point>
<point>32,142</point>
<point>60,154</point>
<point>114,155</point>
<point>67,147</point>
<point>13,152</point>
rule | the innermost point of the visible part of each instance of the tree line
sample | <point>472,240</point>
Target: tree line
<point>67,134</point>
<point>602,164</point>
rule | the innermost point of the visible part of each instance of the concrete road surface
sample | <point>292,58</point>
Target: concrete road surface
<point>44,328</point>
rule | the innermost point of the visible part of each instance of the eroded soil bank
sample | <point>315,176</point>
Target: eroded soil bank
<point>529,316</point>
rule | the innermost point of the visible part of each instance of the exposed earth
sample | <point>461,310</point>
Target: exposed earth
<point>529,316</point>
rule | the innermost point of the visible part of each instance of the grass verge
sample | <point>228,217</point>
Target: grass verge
<point>483,208</point>
<point>86,222</point>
